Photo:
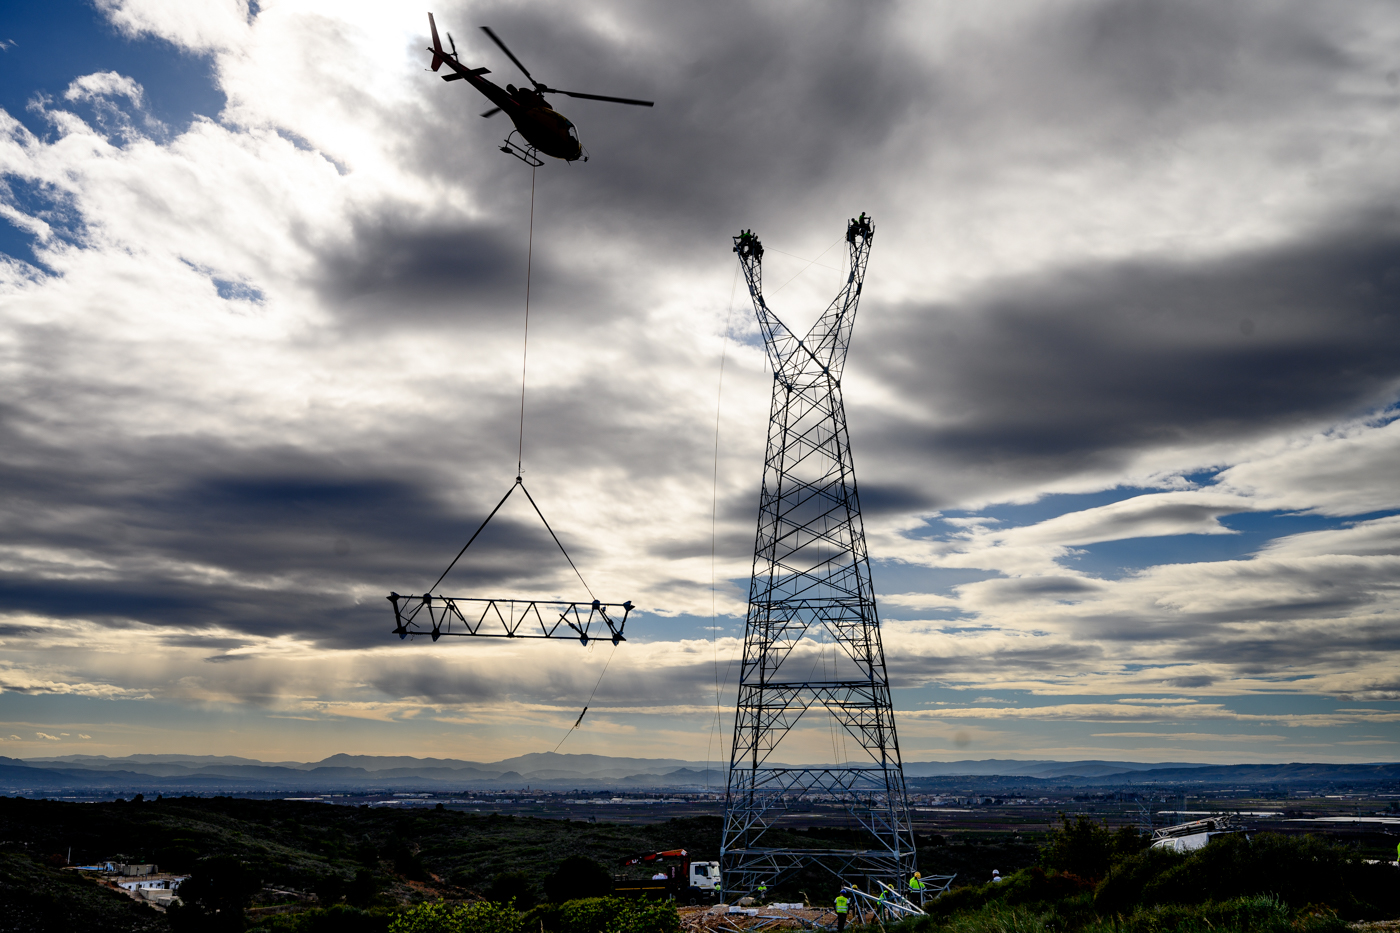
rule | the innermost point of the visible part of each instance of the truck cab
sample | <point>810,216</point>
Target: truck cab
<point>704,876</point>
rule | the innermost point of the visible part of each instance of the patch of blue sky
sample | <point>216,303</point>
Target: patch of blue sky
<point>1111,560</point>
<point>16,242</point>
<point>33,200</point>
<point>650,627</point>
<point>893,576</point>
<point>237,291</point>
<point>60,40</point>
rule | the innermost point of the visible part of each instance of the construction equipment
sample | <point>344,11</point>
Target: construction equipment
<point>685,881</point>
<point>811,577</point>
<point>1187,837</point>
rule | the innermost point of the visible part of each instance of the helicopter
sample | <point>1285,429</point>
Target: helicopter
<point>542,127</point>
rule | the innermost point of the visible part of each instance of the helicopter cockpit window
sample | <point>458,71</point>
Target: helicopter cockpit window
<point>573,133</point>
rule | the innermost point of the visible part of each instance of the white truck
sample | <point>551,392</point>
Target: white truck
<point>673,877</point>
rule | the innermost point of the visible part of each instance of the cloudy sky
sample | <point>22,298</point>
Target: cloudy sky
<point>1122,393</point>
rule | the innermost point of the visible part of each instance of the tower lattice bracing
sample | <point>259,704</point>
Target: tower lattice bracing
<point>811,608</point>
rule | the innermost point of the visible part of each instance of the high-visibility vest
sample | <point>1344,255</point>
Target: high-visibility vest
<point>842,903</point>
<point>916,884</point>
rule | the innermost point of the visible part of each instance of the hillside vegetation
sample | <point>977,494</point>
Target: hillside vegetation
<point>314,868</point>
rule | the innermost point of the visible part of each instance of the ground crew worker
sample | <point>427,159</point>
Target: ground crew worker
<point>762,891</point>
<point>843,904</point>
<point>916,887</point>
<point>883,908</point>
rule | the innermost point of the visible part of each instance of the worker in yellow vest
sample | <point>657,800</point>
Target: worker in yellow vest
<point>763,892</point>
<point>916,888</point>
<point>843,905</point>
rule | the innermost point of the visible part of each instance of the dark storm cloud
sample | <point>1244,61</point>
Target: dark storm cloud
<point>1080,369</point>
<point>419,268</point>
<point>315,526</point>
<point>752,104</point>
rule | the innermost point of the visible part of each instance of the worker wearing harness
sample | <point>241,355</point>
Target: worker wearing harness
<point>843,904</point>
<point>916,887</point>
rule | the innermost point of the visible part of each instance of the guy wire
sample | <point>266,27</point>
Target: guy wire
<point>590,698</point>
<point>714,508</point>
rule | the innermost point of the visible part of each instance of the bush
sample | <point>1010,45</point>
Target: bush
<point>337,919</point>
<point>618,915</point>
<point>513,887</point>
<point>1299,871</point>
<point>476,917</point>
<point>577,877</point>
<point>363,889</point>
<point>1088,849</point>
<point>213,897</point>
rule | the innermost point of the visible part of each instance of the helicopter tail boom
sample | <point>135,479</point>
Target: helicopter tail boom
<point>439,56</point>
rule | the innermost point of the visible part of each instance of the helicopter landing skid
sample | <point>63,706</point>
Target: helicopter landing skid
<point>523,153</point>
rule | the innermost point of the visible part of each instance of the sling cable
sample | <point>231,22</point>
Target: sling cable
<point>436,615</point>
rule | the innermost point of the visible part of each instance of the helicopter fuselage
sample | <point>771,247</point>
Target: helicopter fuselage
<point>543,127</point>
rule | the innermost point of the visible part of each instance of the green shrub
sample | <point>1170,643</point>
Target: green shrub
<point>604,915</point>
<point>1029,886</point>
<point>476,917</point>
<point>337,919</point>
<point>1088,849</point>
<point>1299,871</point>
<point>213,897</point>
<point>577,877</point>
<point>515,887</point>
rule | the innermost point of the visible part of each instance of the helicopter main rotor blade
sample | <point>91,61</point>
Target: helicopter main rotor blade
<point>615,100</point>
<point>509,54</point>
<point>492,112</point>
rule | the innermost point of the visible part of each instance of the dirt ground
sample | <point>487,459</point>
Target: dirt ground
<point>719,920</point>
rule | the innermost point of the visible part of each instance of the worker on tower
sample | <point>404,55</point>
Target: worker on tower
<point>843,904</point>
<point>883,908</point>
<point>916,887</point>
<point>762,891</point>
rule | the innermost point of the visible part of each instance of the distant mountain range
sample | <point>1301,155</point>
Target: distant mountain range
<point>548,771</point>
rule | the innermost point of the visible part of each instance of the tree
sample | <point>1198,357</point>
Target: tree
<point>1082,848</point>
<point>512,886</point>
<point>212,899</point>
<point>575,877</point>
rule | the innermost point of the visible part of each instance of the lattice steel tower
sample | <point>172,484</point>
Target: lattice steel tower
<point>811,580</point>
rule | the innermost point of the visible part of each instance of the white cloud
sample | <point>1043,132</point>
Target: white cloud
<point>323,286</point>
<point>196,25</point>
<point>104,84</point>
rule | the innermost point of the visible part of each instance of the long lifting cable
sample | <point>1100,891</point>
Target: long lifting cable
<point>525,348</point>
<point>520,448</point>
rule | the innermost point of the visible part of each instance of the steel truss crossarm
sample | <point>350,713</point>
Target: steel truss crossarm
<point>460,616</point>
